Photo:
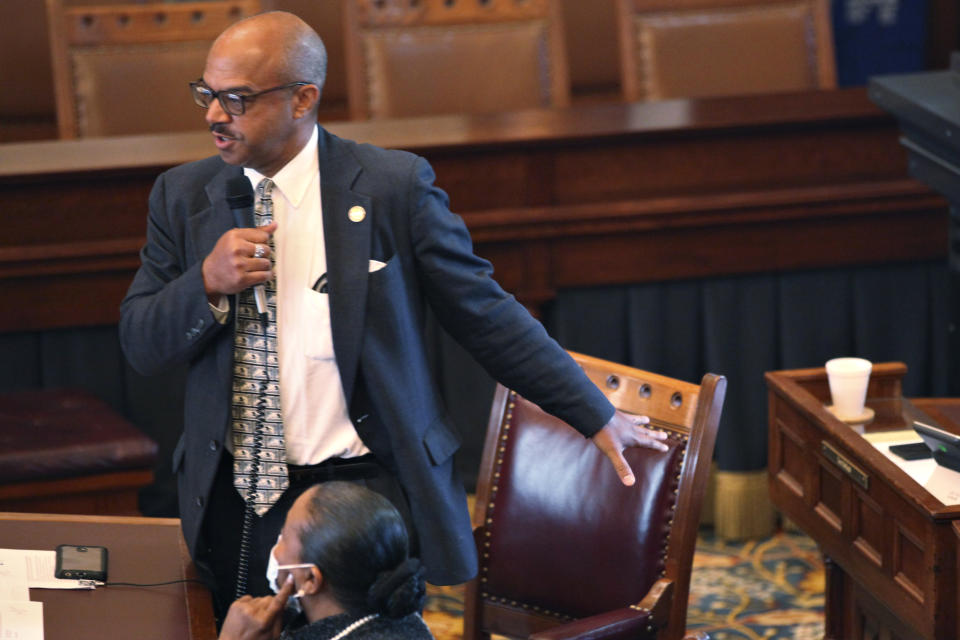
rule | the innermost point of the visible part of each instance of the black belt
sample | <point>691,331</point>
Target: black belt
<point>360,468</point>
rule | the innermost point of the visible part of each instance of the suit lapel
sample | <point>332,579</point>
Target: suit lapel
<point>347,245</point>
<point>207,225</point>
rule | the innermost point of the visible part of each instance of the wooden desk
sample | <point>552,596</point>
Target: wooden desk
<point>890,548</point>
<point>143,550</point>
<point>592,195</point>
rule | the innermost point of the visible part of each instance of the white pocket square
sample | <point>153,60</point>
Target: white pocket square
<point>376,265</point>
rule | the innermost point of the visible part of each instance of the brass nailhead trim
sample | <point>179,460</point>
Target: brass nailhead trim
<point>684,440</point>
<point>514,603</point>
<point>505,426</point>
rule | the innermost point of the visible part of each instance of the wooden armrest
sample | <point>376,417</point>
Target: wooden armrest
<point>622,624</point>
<point>638,621</point>
<point>658,602</point>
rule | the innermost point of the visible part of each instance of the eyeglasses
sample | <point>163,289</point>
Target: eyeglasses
<point>232,102</point>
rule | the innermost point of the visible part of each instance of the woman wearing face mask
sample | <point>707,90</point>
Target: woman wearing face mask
<point>342,557</point>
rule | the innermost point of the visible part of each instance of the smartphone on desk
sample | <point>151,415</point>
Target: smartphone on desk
<point>912,450</point>
<point>81,562</point>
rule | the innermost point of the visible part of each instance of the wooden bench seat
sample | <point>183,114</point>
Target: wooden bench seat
<point>66,451</point>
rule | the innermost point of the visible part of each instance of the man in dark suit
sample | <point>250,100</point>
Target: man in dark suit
<point>361,243</point>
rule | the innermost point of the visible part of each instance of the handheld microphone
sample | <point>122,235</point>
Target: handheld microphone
<point>240,200</point>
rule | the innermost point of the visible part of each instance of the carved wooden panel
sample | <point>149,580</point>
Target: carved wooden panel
<point>399,13</point>
<point>793,465</point>
<point>868,528</point>
<point>592,196</point>
<point>909,566</point>
<point>830,489</point>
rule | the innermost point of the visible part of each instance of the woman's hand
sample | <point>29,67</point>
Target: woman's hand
<point>257,618</point>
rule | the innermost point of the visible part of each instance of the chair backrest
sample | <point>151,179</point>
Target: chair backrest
<point>559,537</point>
<point>123,68</point>
<point>453,56</point>
<point>326,18</point>
<point>696,48</point>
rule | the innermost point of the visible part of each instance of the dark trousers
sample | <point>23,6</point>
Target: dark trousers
<point>223,524</point>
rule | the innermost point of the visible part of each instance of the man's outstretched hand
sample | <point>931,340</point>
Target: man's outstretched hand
<point>624,431</point>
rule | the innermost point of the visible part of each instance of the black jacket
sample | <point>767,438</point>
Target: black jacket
<point>411,627</point>
<point>377,322</point>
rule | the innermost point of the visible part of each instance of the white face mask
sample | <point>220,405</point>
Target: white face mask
<point>273,570</point>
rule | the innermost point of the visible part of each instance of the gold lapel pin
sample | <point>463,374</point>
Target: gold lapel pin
<point>357,214</point>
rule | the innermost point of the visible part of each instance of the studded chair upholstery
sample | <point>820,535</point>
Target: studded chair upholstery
<point>122,69</point>
<point>566,551</point>
<point>430,57</point>
<point>698,48</point>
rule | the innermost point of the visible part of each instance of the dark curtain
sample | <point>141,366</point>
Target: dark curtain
<point>738,327</point>
<point>743,326</point>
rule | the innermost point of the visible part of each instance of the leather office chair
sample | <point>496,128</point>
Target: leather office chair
<point>701,48</point>
<point>423,57</point>
<point>124,68</point>
<point>565,550</point>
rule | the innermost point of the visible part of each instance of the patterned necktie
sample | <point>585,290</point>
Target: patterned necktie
<point>256,387</point>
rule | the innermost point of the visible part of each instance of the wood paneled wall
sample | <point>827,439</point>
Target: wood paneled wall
<point>592,195</point>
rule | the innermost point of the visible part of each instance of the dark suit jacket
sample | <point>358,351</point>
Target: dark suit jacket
<point>377,323</point>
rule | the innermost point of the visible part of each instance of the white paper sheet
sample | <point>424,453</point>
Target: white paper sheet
<point>13,576</point>
<point>21,620</point>
<point>942,483</point>
<point>39,567</point>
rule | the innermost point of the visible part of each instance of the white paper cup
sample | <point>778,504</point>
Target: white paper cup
<point>848,378</point>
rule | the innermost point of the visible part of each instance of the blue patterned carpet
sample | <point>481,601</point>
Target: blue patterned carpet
<point>760,590</point>
<point>757,590</point>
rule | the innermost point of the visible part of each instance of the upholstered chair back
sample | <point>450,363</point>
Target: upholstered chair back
<point>124,68</point>
<point>696,48</point>
<point>453,56</point>
<point>562,542</point>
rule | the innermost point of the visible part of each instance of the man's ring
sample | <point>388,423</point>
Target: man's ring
<point>259,251</point>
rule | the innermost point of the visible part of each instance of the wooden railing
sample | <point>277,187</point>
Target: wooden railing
<point>586,196</point>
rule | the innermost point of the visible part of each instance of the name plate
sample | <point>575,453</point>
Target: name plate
<point>853,471</point>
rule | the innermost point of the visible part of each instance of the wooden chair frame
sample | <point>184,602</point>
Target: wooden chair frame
<point>689,411</point>
<point>72,27</point>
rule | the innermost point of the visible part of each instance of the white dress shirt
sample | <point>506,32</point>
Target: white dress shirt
<point>316,425</point>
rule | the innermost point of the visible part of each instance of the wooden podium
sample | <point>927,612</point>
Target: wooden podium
<point>141,550</point>
<point>890,547</point>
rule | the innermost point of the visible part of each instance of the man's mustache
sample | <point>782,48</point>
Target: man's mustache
<point>220,129</point>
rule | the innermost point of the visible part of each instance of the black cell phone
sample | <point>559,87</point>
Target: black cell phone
<point>912,450</point>
<point>81,562</point>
